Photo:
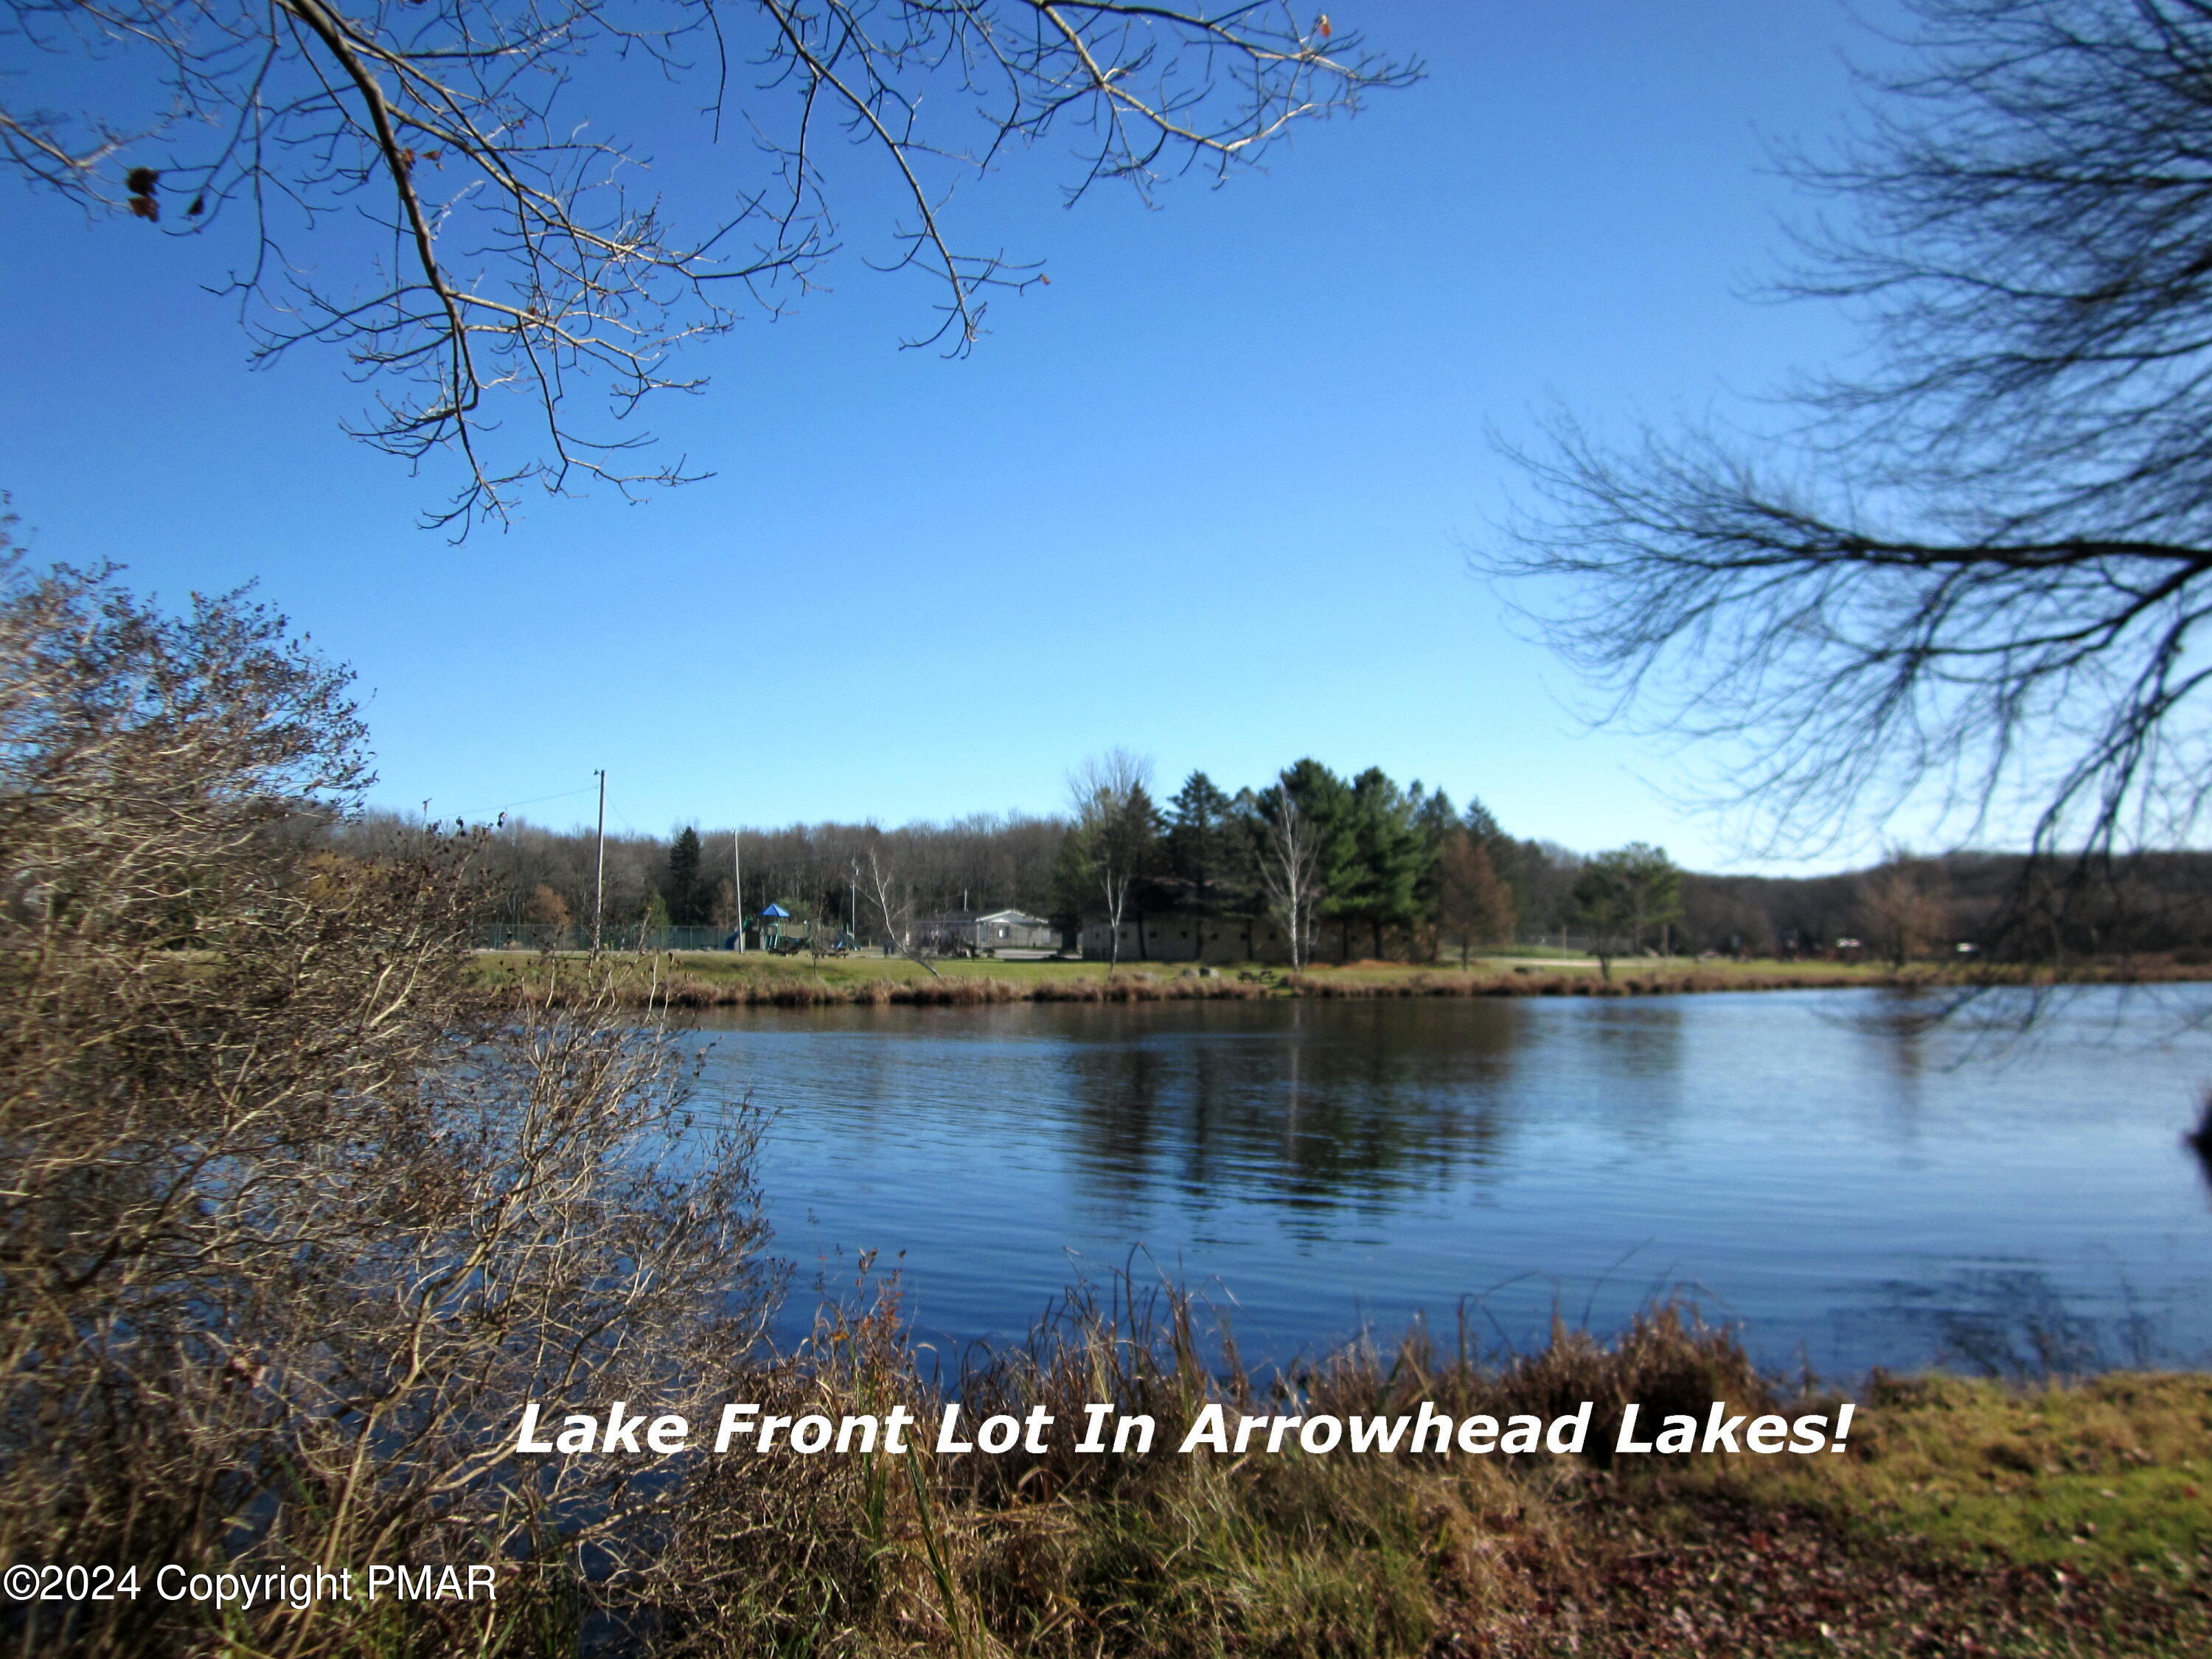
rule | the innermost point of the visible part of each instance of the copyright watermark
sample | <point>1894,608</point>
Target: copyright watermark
<point>296,1588</point>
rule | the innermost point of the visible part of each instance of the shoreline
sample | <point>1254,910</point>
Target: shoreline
<point>698,980</point>
<point>2049,1516</point>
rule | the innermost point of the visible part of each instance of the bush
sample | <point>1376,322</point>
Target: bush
<point>296,1217</point>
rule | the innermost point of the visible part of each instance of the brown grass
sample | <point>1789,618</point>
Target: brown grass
<point>673,987</point>
<point>683,990</point>
<point>695,983</point>
<point>1165,1556</point>
<point>1690,982</point>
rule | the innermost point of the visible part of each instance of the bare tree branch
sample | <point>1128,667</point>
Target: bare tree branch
<point>523,258</point>
<point>1973,581</point>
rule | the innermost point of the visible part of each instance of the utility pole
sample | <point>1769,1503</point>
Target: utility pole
<point>599,880</point>
<point>737,884</point>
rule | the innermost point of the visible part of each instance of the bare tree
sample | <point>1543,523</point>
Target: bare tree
<point>1973,582</point>
<point>1116,834</point>
<point>1472,906</point>
<point>548,910</point>
<point>1902,907</point>
<point>505,239</point>
<point>1289,848</point>
<point>298,1214</point>
<point>895,904</point>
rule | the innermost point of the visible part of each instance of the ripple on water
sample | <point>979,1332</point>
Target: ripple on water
<point>1855,1190</point>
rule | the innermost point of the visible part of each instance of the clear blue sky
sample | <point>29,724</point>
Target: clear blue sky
<point>1206,496</point>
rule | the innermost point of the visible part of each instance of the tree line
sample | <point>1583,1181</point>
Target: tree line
<point>1346,867</point>
<point>691,879</point>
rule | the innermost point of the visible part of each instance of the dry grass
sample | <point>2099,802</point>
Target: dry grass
<point>710,980</point>
<point>1537,982</point>
<point>1166,1556</point>
<point>688,982</point>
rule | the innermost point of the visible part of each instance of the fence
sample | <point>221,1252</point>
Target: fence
<point>538,936</point>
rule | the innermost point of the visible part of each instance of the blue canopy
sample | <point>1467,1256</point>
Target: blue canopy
<point>776,911</point>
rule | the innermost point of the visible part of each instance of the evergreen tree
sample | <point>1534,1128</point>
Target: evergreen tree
<point>1201,842</point>
<point>1622,895</point>
<point>1438,821</point>
<point>688,897</point>
<point>1073,895</point>
<point>1387,857</point>
<point>1434,813</point>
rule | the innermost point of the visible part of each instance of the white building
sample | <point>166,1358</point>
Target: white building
<point>1000,930</point>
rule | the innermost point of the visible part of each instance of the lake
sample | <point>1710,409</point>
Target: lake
<point>1855,1190</point>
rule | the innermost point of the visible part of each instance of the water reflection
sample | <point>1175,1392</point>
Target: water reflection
<point>2197,1143</point>
<point>1278,1111</point>
<point>2019,1322</point>
<point>1856,1186</point>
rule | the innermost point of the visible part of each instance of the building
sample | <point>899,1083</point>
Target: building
<point>1183,935</point>
<point>963,934</point>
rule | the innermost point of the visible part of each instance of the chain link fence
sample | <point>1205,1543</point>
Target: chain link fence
<point>577,936</point>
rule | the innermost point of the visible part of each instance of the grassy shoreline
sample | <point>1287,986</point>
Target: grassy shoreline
<point>721,980</point>
<point>1965,1517</point>
<point>2065,1517</point>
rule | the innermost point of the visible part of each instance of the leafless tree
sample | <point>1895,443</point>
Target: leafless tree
<point>1902,908</point>
<point>1972,581</point>
<point>1116,832</point>
<point>895,904</point>
<point>1001,861</point>
<point>1290,846</point>
<point>1473,907</point>
<point>297,1213</point>
<point>505,236</point>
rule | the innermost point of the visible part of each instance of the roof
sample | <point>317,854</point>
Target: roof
<point>777,912</point>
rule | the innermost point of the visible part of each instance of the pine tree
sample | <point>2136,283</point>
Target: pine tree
<point>1482,825</point>
<point>688,897</point>
<point>1622,895</point>
<point>1434,813</point>
<point>1200,842</point>
<point>1388,855</point>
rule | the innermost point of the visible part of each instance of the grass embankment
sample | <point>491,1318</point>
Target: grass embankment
<point>704,979</point>
<point>1963,1518</point>
<point>710,979</point>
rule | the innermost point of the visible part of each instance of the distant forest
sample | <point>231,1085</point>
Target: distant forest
<point>1404,873</point>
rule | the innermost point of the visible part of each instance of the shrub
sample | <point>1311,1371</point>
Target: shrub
<point>296,1216</point>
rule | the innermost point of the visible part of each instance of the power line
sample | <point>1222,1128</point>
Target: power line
<point>509,806</point>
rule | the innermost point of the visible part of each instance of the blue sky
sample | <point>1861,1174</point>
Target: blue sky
<point>1207,495</point>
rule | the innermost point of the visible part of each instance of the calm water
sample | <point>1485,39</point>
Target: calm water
<point>1855,1192</point>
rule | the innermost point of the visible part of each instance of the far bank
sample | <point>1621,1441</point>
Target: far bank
<point>710,979</point>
